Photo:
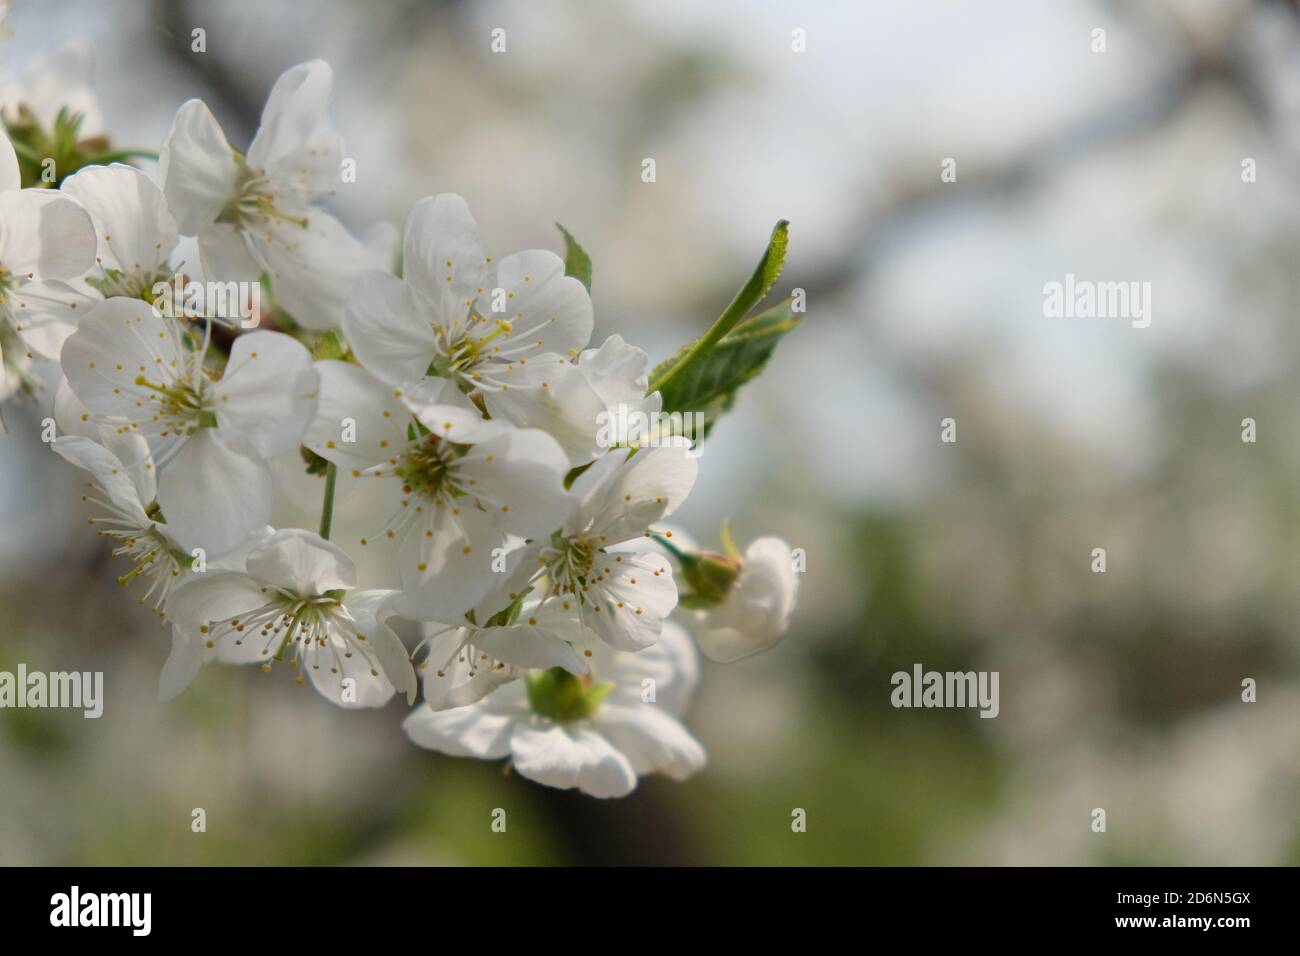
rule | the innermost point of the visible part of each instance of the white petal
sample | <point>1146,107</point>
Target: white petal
<point>45,234</point>
<point>652,740</point>
<point>267,395</point>
<point>571,756</point>
<point>302,563</point>
<point>108,472</point>
<point>312,268</point>
<point>619,373</point>
<point>118,341</point>
<point>394,660</point>
<point>182,666</point>
<point>642,491</point>
<point>389,329</point>
<point>132,450</point>
<point>329,666</point>
<point>530,646</point>
<point>637,593</point>
<point>136,231</point>
<point>440,230</point>
<point>518,477</point>
<point>197,168</point>
<point>455,675</point>
<point>224,255</point>
<point>213,596</point>
<point>369,608</point>
<point>445,560</point>
<point>463,732</point>
<point>617,370</point>
<point>672,663</point>
<point>46,314</point>
<point>546,308</point>
<point>295,146</point>
<point>353,404</point>
<point>553,395</point>
<point>212,496</point>
<point>70,416</point>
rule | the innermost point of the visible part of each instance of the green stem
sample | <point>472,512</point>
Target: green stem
<point>753,292</point>
<point>677,552</point>
<point>327,506</point>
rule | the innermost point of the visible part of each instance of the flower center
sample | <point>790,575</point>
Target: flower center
<point>254,202</point>
<point>181,407</point>
<point>140,285</point>
<point>459,353</point>
<point>427,467</point>
<point>568,563</point>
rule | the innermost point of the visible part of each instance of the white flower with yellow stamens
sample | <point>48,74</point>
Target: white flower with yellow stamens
<point>136,232</point>
<point>297,602</point>
<point>458,486</point>
<point>462,664</point>
<point>598,568</point>
<point>599,732</point>
<point>257,214</point>
<point>457,321</point>
<point>210,432</point>
<point>124,493</point>
<point>46,240</point>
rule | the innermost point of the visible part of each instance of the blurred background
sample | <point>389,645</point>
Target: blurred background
<point>1119,690</point>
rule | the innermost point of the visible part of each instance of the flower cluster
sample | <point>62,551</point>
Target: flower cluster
<point>461,394</point>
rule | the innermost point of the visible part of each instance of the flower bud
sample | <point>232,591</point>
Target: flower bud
<point>755,610</point>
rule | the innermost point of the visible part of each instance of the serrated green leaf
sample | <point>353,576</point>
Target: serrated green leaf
<point>751,294</point>
<point>576,261</point>
<point>709,384</point>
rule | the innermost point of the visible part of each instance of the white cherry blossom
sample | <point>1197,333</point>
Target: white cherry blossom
<point>211,433</point>
<point>46,240</point>
<point>755,614</point>
<point>457,486</point>
<point>258,213</point>
<point>600,568</point>
<point>509,330</point>
<point>619,373</point>
<point>297,601</point>
<point>136,232</point>
<point>598,733</point>
<point>123,494</point>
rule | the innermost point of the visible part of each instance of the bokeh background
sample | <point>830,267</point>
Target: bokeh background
<point>1118,690</point>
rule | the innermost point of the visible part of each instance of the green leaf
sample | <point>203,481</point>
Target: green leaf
<point>576,261</point>
<point>754,291</point>
<point>709,384</point>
